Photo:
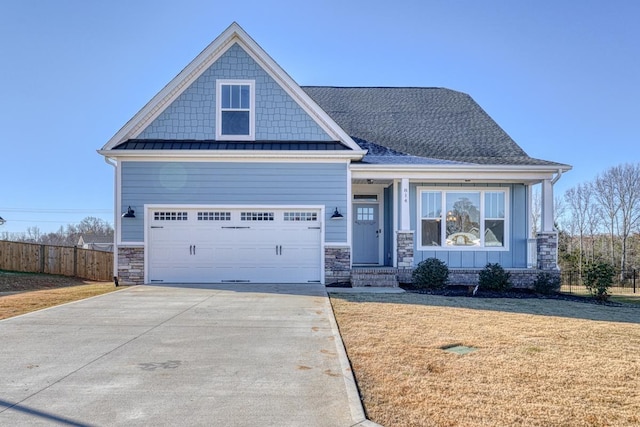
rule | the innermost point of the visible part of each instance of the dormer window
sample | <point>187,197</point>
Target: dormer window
<point>235,115</point>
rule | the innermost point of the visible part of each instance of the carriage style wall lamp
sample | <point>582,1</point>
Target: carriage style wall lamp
<point>130,213</point>
<point>336,215</point>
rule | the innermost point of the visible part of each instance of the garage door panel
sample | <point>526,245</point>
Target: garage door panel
<point>218,245</point>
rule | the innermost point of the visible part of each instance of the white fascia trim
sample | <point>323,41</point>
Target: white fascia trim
<point>464,173</point>
<point>233,34</point>
<point>459,167</point>
<point>231,155</point>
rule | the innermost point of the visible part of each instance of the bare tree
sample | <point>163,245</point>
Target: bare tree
<point>64,236</point>
<point>536,211</point>
<point>628,192</point>
<point>607,198</point>
<point>579,200</point>
<point>33,234</point>
<point>559,209</point>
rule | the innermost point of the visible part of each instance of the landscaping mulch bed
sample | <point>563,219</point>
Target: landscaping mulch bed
<point>466,291</point>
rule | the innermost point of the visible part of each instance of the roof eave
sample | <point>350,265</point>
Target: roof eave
<point>468,173</point>
<point>212,155</point>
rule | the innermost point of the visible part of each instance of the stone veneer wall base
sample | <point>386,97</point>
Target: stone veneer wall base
<point>131,265</point>
<point>337,264</point>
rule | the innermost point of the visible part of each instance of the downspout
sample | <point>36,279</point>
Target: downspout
<point>115,218</point>
<point>553,181</point>
<point>557,177</point>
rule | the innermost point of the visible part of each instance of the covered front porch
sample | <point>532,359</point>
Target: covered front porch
<point>392,230</point>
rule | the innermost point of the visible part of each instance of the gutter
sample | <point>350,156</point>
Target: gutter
<point>557,177</point>
<point>108,161</point>
<point>212,155</point>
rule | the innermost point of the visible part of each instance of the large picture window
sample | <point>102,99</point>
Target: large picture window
<point>235,110</point>
<point>462,219</point>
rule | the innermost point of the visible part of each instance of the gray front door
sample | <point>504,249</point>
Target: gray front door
<point>366,233</point>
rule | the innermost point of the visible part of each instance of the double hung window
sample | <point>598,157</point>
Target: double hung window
<point>462,219</point>
<point>235,115</point>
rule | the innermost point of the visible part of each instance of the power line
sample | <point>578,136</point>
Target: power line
<point>52,211</point>
<point>34,221</point>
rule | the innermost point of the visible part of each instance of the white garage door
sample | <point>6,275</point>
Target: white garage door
<point>229,245</point>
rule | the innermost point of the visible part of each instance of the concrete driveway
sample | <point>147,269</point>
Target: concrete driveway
<point>244,355</point>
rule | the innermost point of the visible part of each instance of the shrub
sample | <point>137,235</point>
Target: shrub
<point>546,283</point>
<point>598,278</point>
<point>494,278</point>
<point>430,274</point>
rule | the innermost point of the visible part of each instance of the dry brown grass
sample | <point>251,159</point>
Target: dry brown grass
<point>22,293</point>
<point>537,363</point>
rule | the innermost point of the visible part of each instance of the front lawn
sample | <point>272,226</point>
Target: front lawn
<point>536,362</point>
<point>22,293</point>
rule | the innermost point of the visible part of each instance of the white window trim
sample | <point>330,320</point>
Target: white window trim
<point>252,110</point>
<point>481,190</point>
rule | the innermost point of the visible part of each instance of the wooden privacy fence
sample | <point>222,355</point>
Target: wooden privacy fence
<point>62,260</point>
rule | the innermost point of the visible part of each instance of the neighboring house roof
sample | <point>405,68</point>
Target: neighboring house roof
<point>89,239</point>
<point>418,124</point>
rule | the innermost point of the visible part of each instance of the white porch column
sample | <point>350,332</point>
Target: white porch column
<point>404,205</point>
<point>404,236</point>
<point>547,206</point>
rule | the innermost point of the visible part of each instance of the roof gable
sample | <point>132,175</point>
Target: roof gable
<point>169,103</point>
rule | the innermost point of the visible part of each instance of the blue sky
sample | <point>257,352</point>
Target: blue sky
<point>561,77</point>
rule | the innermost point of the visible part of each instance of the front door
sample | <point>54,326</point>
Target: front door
<point>366,233</point>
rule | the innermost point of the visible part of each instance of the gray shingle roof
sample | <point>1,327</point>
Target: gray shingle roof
<point>428,123</point>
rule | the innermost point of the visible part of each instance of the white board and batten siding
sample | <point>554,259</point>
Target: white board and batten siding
<point>229,244</point>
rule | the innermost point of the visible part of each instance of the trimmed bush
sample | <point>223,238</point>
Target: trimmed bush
<point>546,283</point>
<point>598,278</point>
<point>494,278</point>
<point>430,274</point>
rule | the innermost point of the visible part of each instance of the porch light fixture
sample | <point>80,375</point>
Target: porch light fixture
<point>130,213</point>
<point>336,214</point>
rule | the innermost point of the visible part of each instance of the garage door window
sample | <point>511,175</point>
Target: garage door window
<point>300,216</point>
<point>256,216</point>
<point>170,216</point>
<point>214,216</point>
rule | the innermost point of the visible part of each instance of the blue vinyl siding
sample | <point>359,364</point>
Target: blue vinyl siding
<point>515,257</point>
<point>206,183</point>
<point>193,114</point>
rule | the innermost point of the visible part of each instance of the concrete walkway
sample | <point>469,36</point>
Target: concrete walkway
<point>228,355</point>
